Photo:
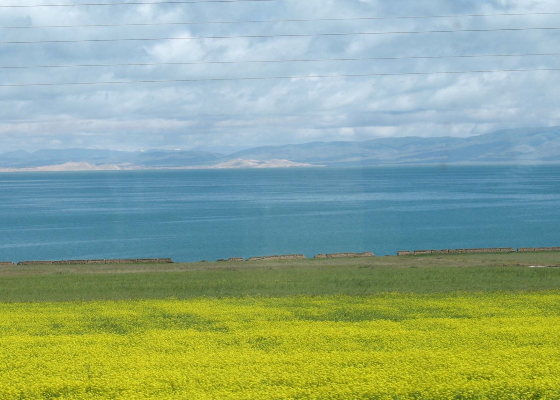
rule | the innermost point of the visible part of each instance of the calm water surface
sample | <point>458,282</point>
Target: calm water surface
<point>195,215</point>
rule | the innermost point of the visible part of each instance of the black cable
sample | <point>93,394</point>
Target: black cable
<point>276,77</point>
<point>295,35</point>
<point>135,3</point>
<point>281,61</point>
<point>277,20</point>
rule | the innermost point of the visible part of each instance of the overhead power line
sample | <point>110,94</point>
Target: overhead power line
<point>136,3</point>
<point>287,35</point>
<point>278,20</point>
<point>280,61</point>
<point>276,77</point>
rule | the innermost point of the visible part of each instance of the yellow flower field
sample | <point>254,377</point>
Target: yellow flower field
<point>393,346</point>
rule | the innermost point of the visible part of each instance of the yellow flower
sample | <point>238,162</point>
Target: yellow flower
<point>392,346</point>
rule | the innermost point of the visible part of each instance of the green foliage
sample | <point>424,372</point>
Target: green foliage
<point>424,274</point>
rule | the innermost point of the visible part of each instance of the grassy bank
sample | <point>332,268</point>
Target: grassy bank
<point>411,274</point>
<point>476,326</point>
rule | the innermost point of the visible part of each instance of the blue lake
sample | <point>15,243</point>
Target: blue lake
<point>211,214</point>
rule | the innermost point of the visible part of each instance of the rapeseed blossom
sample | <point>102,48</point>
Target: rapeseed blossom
<point>393,346</point>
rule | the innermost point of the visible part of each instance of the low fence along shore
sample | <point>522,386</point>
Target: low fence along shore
<point>110,261</point>
<point>289,256</point>
<point>482,250</point>
<point>529,249</point>
<point>346,255</point>
<point>276,258</point>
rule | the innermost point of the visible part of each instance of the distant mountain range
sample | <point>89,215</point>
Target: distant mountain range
<point>531,145</point>
<point>519,145</point>
<point>152,158</point>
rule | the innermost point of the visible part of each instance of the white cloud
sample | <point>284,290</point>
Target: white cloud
<point>240,114</point>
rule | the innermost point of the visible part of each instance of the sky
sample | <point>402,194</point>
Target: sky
<point>225,116</point>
